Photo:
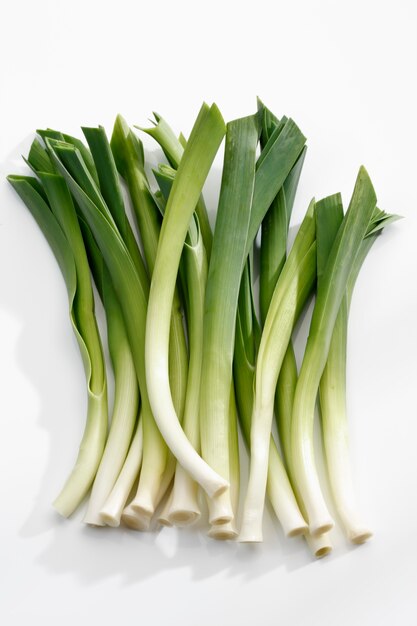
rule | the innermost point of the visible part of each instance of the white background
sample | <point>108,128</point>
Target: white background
<point>346,72</point>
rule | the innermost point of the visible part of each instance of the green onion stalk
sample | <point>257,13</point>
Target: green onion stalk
<point>321,545</point>
<point>130,285</point>
<point>108,200</point>
<point>273,250</point>
<point>126,395</point>
<point>272,258</point>
<point>329,298</point>
<point>193,168</point>
<point>293,287</point>
<point>50,204</point>
<point>226,262</point>
<point>247,343</point>
<point>332,390</point>
<point>128,154</point>
<point>272,168</point>
<point>126,401</point>
<point>182,508</point>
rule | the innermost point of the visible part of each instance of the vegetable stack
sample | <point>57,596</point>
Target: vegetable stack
<point>194,354</point>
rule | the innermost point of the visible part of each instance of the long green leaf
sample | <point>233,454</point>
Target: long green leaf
<point>330,293</point>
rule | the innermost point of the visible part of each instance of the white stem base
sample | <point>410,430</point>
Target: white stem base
<point>163,517</point>
<point>111,512</point>
<point>135,520</point>
<point>320,546</point>
<point>341,482</point>
<point>223,532</point>
<point>220,509</point>
<point>184,508</point>
<point>282,497</point>
<point>305,473</point>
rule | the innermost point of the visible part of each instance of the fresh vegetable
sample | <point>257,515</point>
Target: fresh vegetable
<point>193,352</point>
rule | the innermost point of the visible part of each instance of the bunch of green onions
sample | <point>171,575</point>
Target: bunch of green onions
<point>194,354</point>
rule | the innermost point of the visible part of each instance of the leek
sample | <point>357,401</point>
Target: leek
<point>333,381</point>
<point>226,263</point>
<point>272,258</point>
<point>126,396</point>
<point>292,289</point>
<point>198,155</point>
<point>67,159</point>
<point>59,224</point>
<point>127,151</point>
<point>329,298</point>
<point>131,292</point>
<point>246,348</point>
<point>183,332</point>
<point>183,507</point>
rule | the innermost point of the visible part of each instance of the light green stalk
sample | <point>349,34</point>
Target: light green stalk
<point>226,262</point>
<point>126,396</point>
<point>333,388</point>
<point>201,148</point>
<point>59,224</point>
<point>246,347</point>
<point>129,159</point>
<point>329,298</point>
<point>291,292</point>
<point>184,507</point>
<point>272,258</point>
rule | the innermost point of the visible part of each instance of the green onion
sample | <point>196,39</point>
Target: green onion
<point>201,148</point>
<point>83,186</point>
<point>226,263</point>
<point>184,507</point>
<point>132,295</point>
<point>190,358</point>
<point>128,154</point>
<point>333,381</point>
<point>329,298</point>
<point>126,396</point>
<point>246,347</point>
<point>59,224</point>
<point>292,289</point>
